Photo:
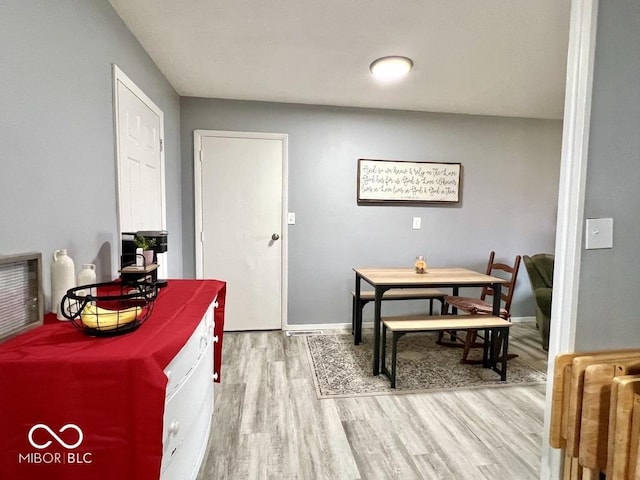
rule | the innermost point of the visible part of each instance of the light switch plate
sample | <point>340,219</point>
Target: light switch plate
<point>599,233</point>
<point>417,223</point>
<point>291,218</point>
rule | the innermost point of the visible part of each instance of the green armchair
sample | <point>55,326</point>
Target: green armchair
<point>540,270</point>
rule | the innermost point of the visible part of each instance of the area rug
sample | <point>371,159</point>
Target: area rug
<point>342,369</point>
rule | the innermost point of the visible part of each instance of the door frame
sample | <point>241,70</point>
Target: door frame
<point>197,193</point>
<point>570,218</point>
<point>120,77</point>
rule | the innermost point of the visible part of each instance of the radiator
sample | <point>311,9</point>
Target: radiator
<point>21,299</point>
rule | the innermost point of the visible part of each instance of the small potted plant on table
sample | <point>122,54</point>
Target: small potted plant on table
<point>146,244</point>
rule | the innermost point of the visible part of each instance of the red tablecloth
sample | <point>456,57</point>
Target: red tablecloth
<point>77,407</point>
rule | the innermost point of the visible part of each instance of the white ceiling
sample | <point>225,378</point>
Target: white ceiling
<point>490,57</point>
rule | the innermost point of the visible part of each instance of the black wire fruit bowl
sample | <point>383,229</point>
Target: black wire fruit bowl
<point>109,309</point>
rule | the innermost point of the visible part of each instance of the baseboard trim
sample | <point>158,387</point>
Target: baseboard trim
<point>319,326</point>
<point>523,319</point>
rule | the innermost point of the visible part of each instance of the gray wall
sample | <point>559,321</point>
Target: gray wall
<point>57,187</point>
<point>509,191</point>
<point>609,303</point>
<point>57,180</point>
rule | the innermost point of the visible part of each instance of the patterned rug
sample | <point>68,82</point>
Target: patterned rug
<point>342,369</point>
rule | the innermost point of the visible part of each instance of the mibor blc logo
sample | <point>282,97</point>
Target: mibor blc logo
<point>68,437</point>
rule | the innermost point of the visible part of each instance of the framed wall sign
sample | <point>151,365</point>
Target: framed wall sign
<point>399,182</point>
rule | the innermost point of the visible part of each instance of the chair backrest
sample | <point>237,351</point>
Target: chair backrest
<point>506,272</point>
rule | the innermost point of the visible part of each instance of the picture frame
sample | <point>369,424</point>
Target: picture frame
<point>401,182</point>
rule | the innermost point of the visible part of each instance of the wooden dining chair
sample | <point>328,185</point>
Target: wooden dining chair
<point>481,306</point>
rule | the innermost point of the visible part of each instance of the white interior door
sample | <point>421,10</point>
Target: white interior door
<point>239,223</point>
<point>140,158</point>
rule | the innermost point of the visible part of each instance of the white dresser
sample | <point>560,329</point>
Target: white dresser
<point>189,403</point>
<point>141,403</point>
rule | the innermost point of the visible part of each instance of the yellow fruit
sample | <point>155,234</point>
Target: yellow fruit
<point>103,319</point>
<point>421,266</point>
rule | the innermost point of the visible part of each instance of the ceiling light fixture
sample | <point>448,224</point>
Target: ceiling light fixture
<point>390,68</point>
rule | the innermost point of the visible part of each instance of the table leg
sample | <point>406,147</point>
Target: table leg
<point>357,334</point>
<point>496,299</point>
<point>376,328</point>
<point>453,336</point>
<point>455,291</point>
<point>376,331</point>
<point>501,335</point>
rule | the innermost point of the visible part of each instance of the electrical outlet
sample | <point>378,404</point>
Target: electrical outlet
<point>417,223</point>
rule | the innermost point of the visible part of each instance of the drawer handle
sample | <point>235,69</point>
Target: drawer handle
<point>215,376</point>
<point>215,339</point>
<point>174,428</point>
<point>215,304</point>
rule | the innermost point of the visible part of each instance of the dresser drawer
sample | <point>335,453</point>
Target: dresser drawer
<point>190,354</point>
<point>187,417</point>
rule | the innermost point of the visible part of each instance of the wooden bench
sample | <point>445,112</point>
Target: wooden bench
<point>496,343</point>
<point>367,296</point>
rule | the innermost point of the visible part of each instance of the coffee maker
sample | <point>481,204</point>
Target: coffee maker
<point>129,262</point>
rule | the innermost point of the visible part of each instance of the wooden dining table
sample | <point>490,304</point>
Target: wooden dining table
<point>385,278</point>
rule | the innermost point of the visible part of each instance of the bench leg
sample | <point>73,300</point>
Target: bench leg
<point>357,336</point>
<point>394,359</point>
<point>486,350</point>
<point>394,356</point>
<point>383,349</point>
<point>504,333</point>
<point>496,347</point>
<point>353,316</point>
<point>497,350</point>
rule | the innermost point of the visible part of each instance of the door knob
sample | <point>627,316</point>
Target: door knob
<point>275,236</point>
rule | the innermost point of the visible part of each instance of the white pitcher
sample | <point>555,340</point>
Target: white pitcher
<point>63,277</point>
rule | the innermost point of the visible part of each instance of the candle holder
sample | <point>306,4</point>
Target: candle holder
<point>421,264</point>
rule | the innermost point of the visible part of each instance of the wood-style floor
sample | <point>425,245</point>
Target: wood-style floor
<point>269,424</point>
